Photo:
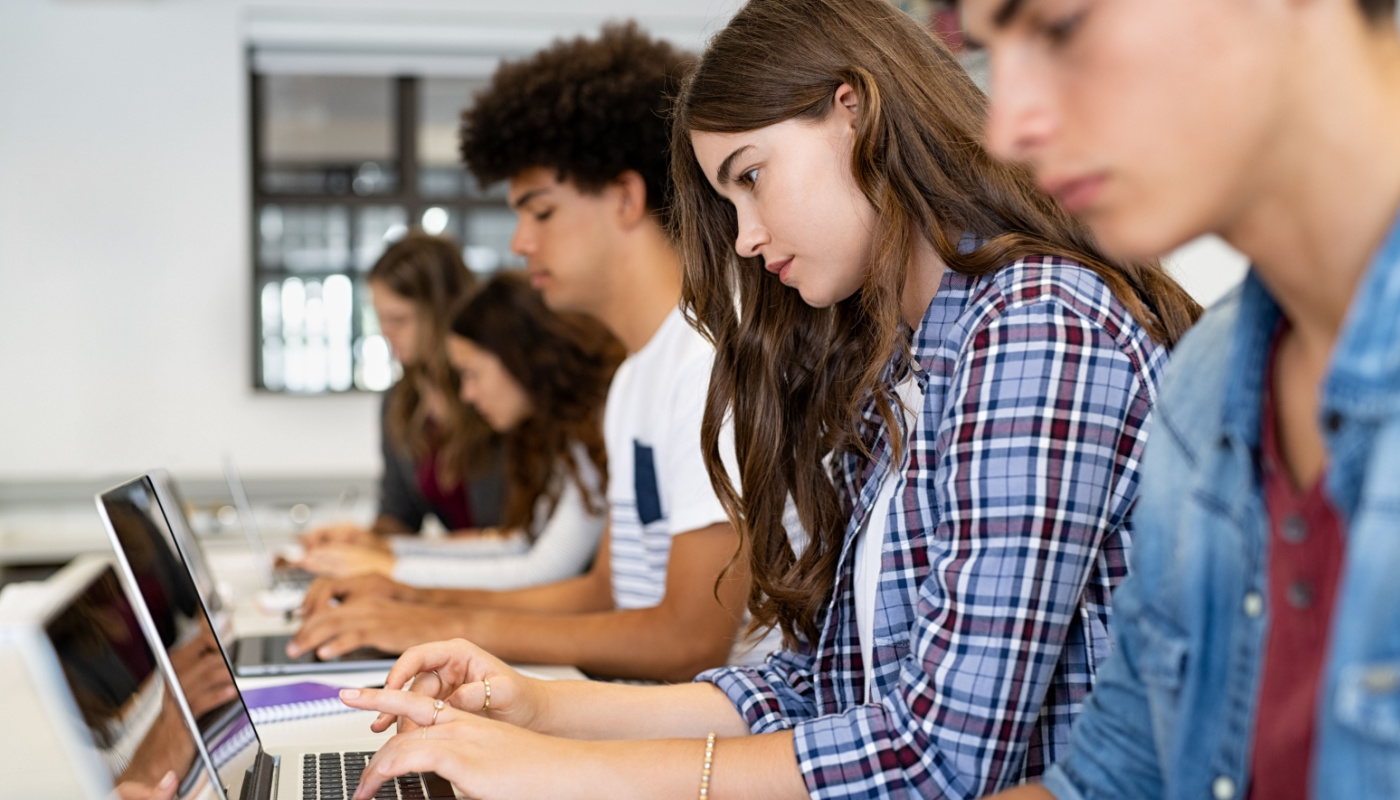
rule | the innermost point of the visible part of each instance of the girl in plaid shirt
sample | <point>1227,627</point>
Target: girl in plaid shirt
<point>945,377</point>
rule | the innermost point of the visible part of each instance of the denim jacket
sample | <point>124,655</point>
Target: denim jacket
<point>1173,713</point>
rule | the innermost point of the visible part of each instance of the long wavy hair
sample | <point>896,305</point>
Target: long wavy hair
<point>791,377</point>
<point>429,272</point>
<point>565,363</point>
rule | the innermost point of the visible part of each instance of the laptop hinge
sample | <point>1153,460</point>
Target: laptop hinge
<point>260,781</point>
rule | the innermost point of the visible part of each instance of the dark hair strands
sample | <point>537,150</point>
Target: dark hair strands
<point>565,363</point>
<point>792,378</point>
<point>429,272</point>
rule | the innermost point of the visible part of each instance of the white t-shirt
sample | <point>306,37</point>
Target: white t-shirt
<point>657,484</point>
<point>565,540</point>
<point>870,542</point>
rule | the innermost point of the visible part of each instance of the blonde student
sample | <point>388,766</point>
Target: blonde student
<point>948,378</point>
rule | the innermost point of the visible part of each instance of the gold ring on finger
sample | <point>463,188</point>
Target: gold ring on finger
<point>486,706</point>
<point>437,707</point>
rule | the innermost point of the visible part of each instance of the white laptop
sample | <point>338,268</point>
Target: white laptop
<point>140,521</point>
<point>96,690</point>
<point>244,771</point>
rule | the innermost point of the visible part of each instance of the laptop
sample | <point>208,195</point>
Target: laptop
<point>140,527</point>
<point>275,576</point>
<point>100,689</point>
<point>243,770</point>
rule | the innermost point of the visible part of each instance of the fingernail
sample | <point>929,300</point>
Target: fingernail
<point>349,694</point>
<point>168,780</point>
<point>324,653</point>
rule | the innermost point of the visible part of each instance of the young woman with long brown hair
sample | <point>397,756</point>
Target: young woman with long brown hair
<point>539,379</point>
<point>948,379</point>
<point>440,458</point>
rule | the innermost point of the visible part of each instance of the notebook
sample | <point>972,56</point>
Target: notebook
<point>293,701</point>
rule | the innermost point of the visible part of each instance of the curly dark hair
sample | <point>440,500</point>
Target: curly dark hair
<point>590,108</point>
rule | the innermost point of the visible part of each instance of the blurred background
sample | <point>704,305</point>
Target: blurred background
<point>190,194</point>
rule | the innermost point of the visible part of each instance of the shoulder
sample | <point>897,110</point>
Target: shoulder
<point>1032,299</point>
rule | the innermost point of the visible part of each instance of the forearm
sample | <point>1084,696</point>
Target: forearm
<point>583,594</point>
<point>646,644</point>
<point>1027,792</point>
<point>753,768</point>
<point>610,711</point>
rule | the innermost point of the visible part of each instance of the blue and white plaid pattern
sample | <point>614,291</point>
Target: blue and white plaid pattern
<point>1007,536</point>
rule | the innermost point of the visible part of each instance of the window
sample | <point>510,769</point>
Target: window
<point>342,166</point>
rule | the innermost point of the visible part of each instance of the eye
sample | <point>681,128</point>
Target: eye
<point>544,215</point>
<point>1059,32</point>
<point>748,178</point>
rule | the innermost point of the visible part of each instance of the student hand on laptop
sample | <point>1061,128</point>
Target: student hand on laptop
<point>346,561</point>
<point>375,622</point>
<point>481,757</point>
<point>459,673</point>
<point>343,533</point>
<point>327,593</point>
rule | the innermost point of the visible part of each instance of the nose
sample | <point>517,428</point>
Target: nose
<point>752,235</point>
<point>1020,121</point>
<point>521,242</point>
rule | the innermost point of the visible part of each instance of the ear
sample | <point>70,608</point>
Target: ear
<point>631,198</point>
<point>846,104</point>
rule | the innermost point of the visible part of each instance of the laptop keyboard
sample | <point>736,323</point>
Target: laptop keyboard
<point>334,776</point>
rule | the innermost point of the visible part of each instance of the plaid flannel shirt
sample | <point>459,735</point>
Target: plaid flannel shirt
<point>1008,532</point>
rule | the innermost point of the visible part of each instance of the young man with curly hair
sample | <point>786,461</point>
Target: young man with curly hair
<point>581,133</point>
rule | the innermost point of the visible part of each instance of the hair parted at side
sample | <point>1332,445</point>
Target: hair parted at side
<point>790,377</point>
<point>429,272</point>
<point>565,363</point>
<point>590,108</point>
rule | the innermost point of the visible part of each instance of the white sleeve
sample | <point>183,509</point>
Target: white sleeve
<point>513,543</point>
<point>689,496</point>
<point>565,546</point>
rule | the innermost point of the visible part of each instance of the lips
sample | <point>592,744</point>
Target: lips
<point>779,268</point>
<point>1075,195</point>
<point>538,277</point>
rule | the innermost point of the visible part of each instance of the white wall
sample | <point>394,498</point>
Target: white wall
<point>125,308</point>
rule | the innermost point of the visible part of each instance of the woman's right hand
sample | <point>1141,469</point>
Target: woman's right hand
<point>343,533</point>
<point>459,672</point>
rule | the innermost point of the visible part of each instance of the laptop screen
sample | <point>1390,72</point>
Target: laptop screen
<point>124,701</point>
<point>201,668</point>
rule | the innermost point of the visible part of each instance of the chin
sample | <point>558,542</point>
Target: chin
<point>1137,237</point>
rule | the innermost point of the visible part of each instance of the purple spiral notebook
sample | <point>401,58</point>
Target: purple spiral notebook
<point>293,701</point>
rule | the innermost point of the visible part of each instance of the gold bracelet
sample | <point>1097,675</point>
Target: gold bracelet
<point>709,760</point>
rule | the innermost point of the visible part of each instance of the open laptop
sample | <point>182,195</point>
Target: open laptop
<point>243,769</point>
<point>98,687</point>
<point>275,576</point>
<point>141,532</point>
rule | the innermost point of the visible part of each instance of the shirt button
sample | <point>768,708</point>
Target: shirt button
<point>1223,788</point>
<point>1300,595</point>
<point>1253,604</point>
<point>1294,529</point>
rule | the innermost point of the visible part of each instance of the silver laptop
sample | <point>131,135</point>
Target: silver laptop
<point>274,575</point>
<point>243,769</point>
<point>140,527</point>
<point>98,688</point>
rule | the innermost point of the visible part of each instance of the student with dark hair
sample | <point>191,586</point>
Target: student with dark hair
<point>950,380</point>
<point>1257,646</point>
<point>440,459</point>
<point>580,132</point>
<point>539,379</point>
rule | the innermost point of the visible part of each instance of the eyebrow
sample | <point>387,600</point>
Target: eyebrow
<point>528,196</point>
<point>727,166</point>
